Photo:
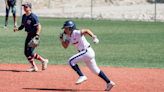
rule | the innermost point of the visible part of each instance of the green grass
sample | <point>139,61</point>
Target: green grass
<point>122,43</point>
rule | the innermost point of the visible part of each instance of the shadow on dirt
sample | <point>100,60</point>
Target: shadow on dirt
<point>13,70</point>
<point>47,89</point>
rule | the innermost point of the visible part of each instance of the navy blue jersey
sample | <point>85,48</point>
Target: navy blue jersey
<point>11,2</point>
<point>30,22</point>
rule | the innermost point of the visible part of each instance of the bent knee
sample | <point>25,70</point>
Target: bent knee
<point>28,54</point>
<point>96,71</point>
<point>70,63</point>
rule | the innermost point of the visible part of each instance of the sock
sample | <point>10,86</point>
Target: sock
<point>103,76</point>
<point>76,68</point>
<point>6,21</point>
<point>31,60</point>
<point>36,56</point>
<point>15,21</point>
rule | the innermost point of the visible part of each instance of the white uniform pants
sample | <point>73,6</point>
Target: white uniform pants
<point>87,56</point>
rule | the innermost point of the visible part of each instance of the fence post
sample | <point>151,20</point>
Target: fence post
<point>91,8</point>
<point>21,8</point>
<point>155,12</point>
<point>48,4</point>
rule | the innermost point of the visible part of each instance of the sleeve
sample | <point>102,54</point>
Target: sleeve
<point>78,33</point>
<point>67,38</point>
<point>23,19</point>
<point>21,27</point>
<point>22,24</point>
<point>35,20</point>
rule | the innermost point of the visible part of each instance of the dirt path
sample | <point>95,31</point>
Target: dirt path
<point>56,78</point>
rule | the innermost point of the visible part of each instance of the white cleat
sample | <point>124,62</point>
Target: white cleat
<point>44,64</point>
<point>5,27</point>
<point>109,86</point>
<point>81,79</point>
<point>15,26</point>
<point>32,69</point>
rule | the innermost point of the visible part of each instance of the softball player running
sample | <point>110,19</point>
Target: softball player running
<point>11,3</point>
<point>33,28</point>
<point>86,53</point>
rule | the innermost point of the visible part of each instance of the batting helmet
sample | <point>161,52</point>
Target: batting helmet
<point>70,24</point>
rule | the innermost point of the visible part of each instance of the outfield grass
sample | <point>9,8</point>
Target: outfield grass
<point>122,43</point>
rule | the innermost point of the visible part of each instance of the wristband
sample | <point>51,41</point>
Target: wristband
<point>93,37</point>
<point>37,34</point>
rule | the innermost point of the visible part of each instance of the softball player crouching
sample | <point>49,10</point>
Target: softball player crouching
<point>33,28</point>
<point>86,53</point>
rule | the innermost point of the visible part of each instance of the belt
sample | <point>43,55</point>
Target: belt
<point>10,1</point>
<point>29,32</point>
<point>84,49</point>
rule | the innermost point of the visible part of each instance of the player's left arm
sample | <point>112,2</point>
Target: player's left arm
<point>94,37</point>
<point>37,24</point>
<point>38,30</point>
<point>86,31</point>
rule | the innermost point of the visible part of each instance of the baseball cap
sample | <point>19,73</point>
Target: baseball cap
<point>27,5</point>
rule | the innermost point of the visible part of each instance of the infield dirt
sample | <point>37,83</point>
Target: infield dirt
<point>61,78</point>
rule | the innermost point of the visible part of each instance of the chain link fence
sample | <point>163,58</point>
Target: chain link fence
<point>140,10</point>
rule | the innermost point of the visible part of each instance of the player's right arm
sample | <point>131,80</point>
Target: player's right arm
<point>22,25</point>
<point>20,28</point>
<point>64,43</point>
<point>6,4</point>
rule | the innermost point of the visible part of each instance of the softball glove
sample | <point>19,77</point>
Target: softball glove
<point>34,42</point>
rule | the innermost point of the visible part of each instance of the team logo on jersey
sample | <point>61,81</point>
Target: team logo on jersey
<point>28,22</point>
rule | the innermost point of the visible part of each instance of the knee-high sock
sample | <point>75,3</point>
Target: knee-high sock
<point>7,14</point>
<point>6,20</point>
<point>76,68</point>
<point>15,20</point>
<point>38,57</point>
<point>31,60</point>
<point>103,76</point>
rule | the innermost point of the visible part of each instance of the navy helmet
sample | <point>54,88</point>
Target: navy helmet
<point>70,24</point>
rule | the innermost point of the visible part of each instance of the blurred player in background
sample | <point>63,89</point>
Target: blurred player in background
<point>33,28</point>
<point>86,53</point>
<point>12,4</point>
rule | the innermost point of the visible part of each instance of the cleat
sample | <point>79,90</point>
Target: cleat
<point>81,79</point>
<point>5,27</point>
<point>32,69</point>
<point>44,64</point>
<point>109,86</point>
